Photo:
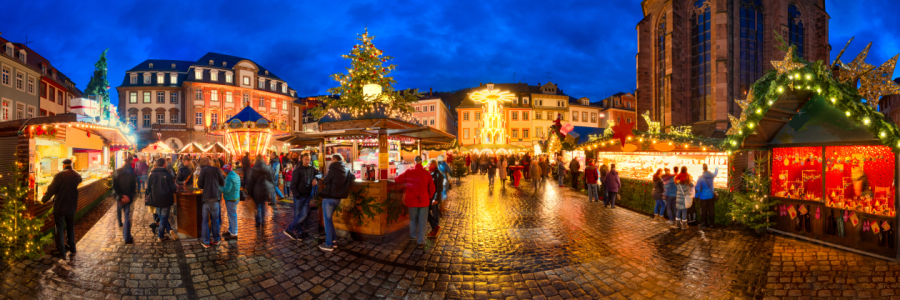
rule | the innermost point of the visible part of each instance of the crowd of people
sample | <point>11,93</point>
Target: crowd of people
<point>512,167</point>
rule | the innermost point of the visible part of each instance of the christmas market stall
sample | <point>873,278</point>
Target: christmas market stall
<point>37,146</point>
<point>832,157</point>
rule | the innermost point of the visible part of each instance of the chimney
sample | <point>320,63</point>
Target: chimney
<point>429,91</point>
<point>539,84</point>
<point>480,84</point>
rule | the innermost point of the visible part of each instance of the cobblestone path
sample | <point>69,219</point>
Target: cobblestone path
<point>496,243</point>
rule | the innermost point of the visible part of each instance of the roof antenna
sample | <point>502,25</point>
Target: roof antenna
<point>548,76</point>
<point>27,41</point>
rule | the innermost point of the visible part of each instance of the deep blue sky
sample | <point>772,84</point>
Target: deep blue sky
<point>587,46</point>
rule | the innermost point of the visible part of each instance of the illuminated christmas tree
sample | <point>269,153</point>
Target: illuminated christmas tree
<point>99,86</point>
<point>752,206</point>
<point>20,232</point>
<point>366,87</point>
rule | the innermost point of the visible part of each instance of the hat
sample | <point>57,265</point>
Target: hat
<point>67,161</point>
<point>227,168</point>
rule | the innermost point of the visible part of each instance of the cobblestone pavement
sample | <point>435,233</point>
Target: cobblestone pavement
<point>496,243</point>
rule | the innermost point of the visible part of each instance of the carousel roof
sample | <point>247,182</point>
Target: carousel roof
<point>248,114</point>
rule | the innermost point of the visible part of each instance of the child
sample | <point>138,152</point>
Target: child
<point>287,174</point>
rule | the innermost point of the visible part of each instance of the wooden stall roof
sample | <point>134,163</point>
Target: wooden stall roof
<point>779,114</point>
<point>371,127</point>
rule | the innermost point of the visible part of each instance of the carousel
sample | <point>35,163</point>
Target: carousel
<point>249,132</point>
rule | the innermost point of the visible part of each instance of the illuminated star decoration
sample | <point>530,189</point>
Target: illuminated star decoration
<point>493,130</point>
<point>788,64</point>
<point>878,83</point>
<point>622,131</point>
<point>856,67</point>
<point>743,103</point>
<point>735,125</point>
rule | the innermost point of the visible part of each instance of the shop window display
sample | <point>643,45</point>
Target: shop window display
<point>642,165</point>
<point>860,178</point>
<point>797,173</point>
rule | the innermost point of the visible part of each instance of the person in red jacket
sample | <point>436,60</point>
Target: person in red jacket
<point>419,191</point>
<point>591,175</point>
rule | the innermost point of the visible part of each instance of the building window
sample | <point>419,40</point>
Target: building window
<point>515,115</point>
<point>525,115</point>
<point>574,116</point>
<point>537,115</point>
<point>133,97</point>
<point>146,97</point>
<point>160,118</point>
<point>198,94</point>
<point>284,105</point>
<point>160,78</point>
<point>432,108</point>
<point>198,74</point>
<point>31,85</point>
<point>525,100</point>
<point>161,97</point>
<point>52,93</point>
<point>174,117</point>
<point>262,84</point>
<point>146,78</point>
<point>618,120</point>
<point>660,68</point>
<point>262,102</point>
<point>524,133</point>
<point>228,97</point>
<point>465,116</point>
<point>432,121</point>
<point>173,98</point>
<point>133,120</point>
<point>146,120</point>
<point>417,109</point>
<point>5,77</point>
<point>751,43</point>
<point>247,99</point>
<point>7,106</point>
<point>628,120</point>
<point>227,117</point>
<point>214,95</point>
<point>515,133</point>
<point>214,76</point>
<point>198,118</point>
<point>284,89</point>
<point>593,117</point>
<point>701,90</point>
<point>20,111</point>
<point>795,25</point>
<point>538,132</point>
<point>584,116</point>
<point>272,85</point>
<point>215,118</point>
<point>228,78</point>
<point>59,97</point>
<point>133,77</point>
<point>30,112</point>
<point>466,133</point>
<point>477,116</point>
<point>173,79</point>
<point>246,80</point>
<point>20,81</point>
<point>541,102</point>
<point>273,103</point>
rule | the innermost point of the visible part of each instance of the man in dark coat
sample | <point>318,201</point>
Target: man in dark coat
<point>434,209</point>
<point>303,179</point>
<point>210,180</point>
<point>65,187</point>
<point>161,194</point>
<point>245,168</point>
<point>125,186</point>
<point>261,186</point>
<point>574,171</point>
<point>337,183</point>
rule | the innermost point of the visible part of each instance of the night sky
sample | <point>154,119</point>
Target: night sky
<point>588,47</point>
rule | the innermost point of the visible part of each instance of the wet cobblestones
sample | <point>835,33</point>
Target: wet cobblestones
<point>496,243</point>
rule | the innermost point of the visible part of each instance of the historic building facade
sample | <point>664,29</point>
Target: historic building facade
<point>18,83</point>
<point>696,56</point>
<point>618,108</point>
<point>432,111</point>
<point>181,100</point>
<point>889,105</point>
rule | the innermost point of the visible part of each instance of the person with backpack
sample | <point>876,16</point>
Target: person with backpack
<point>160,193</point>
<point>434,209</point>
<point>591,175</point>
<point>684,199</point>
<point>232,194</point>
<point>418,193</point>
<point>612,183</point>
<point>338,182</point>
<point>303,179</point>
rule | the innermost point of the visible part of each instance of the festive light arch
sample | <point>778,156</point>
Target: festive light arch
<point>493,129</point>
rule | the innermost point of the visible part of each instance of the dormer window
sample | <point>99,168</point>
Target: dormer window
<point>211,62</point>
<point>44,69</point>
<point>173,66</point>
<point>22,54</point>
<point>198,74</point>
<point>173,79</point>
<point>525,100</point>
<point>9,49</point>
<point>150,66</point>
<point>272,85</point>
<point>267,72</point>
<point>224,64</point>
<point>146,78</point>
<point>262,83</point>
<point>229,77</point>
<point>133,78</point>
<point>160,78</point>
<point>284,88</point>
<point>213,75</point>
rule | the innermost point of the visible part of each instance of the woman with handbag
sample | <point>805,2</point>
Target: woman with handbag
<point>684,198</point>
<point>161,194</point>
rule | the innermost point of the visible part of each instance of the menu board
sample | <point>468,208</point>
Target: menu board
<point>860,178</point>
<point>797,173</point>
<point>642,165</point>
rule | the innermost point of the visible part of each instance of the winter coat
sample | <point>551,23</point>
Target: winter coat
<point>591,174</point>
<point>419,186</point>
<point>65,187</point>
<point>703,191</point>
<point>545,168</point>
<point>437,178</point>
<point>232,189</point>
<point>684,192</point>
<point>185,173</point>
<point>669,185</point>
<point>124,183</point>
<point>445,168</point>
<point>170,166</point>
<point>245,166</point>
<point>604,169</point>
<point>210,180</point>
<point>301,180</point>
<point>535,170</point>
<point>709,177</point>
<point>560,168</point>
<point>338,181</point>
<point>503,165</point>
<point>574,166</point>
<point>659,188</point>
<point>141,168</point>
<point>492,168</point>
<point>261,183</point>
<point>276,166</point>
<point>160,188</point>
<point>612,181</point>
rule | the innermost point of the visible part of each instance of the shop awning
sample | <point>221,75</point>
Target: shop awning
<point>157,147</point>
<point>191,148</point>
